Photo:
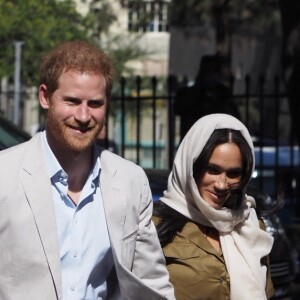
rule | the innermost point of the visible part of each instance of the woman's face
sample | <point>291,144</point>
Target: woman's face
<point>223,171</point>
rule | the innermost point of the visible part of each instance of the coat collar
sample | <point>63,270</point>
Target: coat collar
<point>114,200</point>
<point>192,233</point>
<point>37,187</point>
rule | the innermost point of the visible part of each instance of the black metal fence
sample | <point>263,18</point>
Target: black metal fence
<point>143,125</point>
<point>265,112</point>
<point>263,107</point>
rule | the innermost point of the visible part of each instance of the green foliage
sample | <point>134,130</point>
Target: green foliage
<point>100,17</point>
<point>260,15</point>
<point>123,47</point>
<point>189,12</point>
<point>40,25</point>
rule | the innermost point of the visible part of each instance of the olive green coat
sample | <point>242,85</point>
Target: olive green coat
<point>197,270</point>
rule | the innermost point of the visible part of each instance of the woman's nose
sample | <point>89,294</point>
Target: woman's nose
<point>82,114</point>
<point>221,182</point>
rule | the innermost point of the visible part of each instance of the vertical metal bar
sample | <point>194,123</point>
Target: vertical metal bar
<point>231,86</point>
<point>138,118</point>
<point>277,114</point>
<point>261,127</point>
<point>17,82</point>
<point>171,122</point>
<point>123,83</point>
<point>154,85</point>
<point>247,82</point>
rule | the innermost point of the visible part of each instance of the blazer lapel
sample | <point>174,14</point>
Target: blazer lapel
<point>37,187</point>
<point>113,202</point>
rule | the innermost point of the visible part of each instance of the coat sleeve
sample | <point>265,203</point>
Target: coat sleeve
<point>149,262</point>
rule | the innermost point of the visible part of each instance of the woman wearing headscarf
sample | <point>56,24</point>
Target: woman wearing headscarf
<point>213,241</point>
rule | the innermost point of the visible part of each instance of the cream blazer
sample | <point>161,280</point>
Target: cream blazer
<point>29,249</point>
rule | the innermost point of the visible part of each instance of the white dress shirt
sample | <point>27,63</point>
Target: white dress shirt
<point>85,251</point>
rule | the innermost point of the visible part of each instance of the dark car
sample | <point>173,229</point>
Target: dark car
<point>278,170</point>
<point>10,134</point>
<point>283,257</point>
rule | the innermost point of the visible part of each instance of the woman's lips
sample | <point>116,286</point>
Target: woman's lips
<point>218,196</point>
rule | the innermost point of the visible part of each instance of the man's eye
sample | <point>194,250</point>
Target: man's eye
<point>95,103</point>
<point>72,101</point>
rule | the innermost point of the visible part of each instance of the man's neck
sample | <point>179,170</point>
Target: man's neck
<point>78,170</point>
<point>76,165</point>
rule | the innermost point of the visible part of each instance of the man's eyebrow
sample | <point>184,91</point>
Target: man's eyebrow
<point>72,98</point>
<point>97,99</point>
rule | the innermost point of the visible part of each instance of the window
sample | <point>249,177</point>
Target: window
<point>148,16</point>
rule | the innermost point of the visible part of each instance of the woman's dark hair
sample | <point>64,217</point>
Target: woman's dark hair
<point>222,136</point>
<point>171,221</point>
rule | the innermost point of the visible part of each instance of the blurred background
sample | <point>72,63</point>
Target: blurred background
<point>175,62</point>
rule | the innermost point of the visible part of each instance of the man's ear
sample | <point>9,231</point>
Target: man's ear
<point>43,96</point>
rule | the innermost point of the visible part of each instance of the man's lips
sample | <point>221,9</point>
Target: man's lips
<point>81,129</point>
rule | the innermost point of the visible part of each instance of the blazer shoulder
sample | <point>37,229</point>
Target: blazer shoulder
<point>112,161</point>
<point>15,155</point>
<point>13,152</point>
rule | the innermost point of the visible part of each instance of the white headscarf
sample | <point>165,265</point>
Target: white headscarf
<point>243,242</point>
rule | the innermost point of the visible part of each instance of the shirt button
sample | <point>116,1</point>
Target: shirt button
<point>72,288</point>
<point>221,279</point>
<point>75,254</point>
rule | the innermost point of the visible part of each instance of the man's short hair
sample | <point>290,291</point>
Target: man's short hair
<point>80,56</point>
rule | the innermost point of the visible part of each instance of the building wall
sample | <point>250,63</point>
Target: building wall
<point>156,43</point>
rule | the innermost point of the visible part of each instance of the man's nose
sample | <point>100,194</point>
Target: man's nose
<point>82,114</point>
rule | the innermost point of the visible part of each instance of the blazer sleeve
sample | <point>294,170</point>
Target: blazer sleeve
<point>140,265</point>
<point>149,262</point>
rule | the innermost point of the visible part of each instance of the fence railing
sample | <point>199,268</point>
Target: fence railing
<point>142,123</point>
<point>264,112</point>
<point>263,107</point>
